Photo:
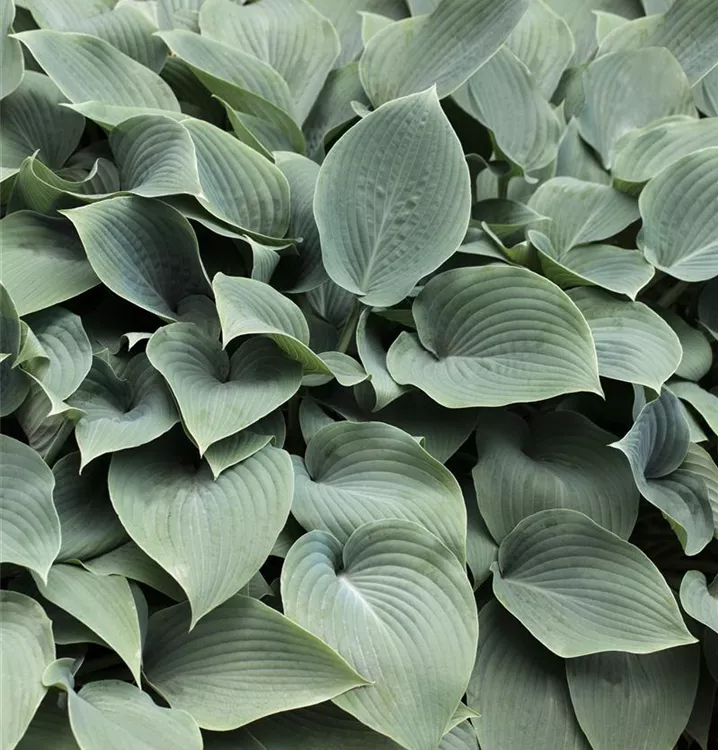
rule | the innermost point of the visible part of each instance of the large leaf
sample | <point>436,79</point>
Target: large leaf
<point>105,604</point>
<point>144,250</point>
<point>397,604</point>
<point>442,48</point>
<point>656,447</point>
<point>122,412</point>
<point>700,599</point>
<point>581,212</point>
<point>43,261</point>
<point>241,662</point>
<point>26,649</point>
<point>11,59</point>
<point>219,395</point>
<point>558,572</point>
<point>32,120</point>
<point>633,343</point>
<point>87,68</point>
<point>290,35</point>
<point>640,701</point>
<point>557,460</point>
<point>115,715</point>
<point>480,331</point>
<point>513,671</point>
<point>627,90</point>
<point>355,473</point>
<point>29,526</point>
<point>680,229</point>
<point>689,29</point>
<point>210,535</point>
<point>88,522</point>
<point>379,234</point>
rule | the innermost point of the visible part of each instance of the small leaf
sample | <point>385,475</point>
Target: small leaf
<point>379,235</point>
<point>699,599</point>
<point>241,662</point>
<point>558,572</point>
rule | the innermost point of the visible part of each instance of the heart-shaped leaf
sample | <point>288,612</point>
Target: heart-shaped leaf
<point>210,535</point>
<point>700,599</point>
<point>397,606</point>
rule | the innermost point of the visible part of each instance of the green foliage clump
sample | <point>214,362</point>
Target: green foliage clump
<point>357,374</point>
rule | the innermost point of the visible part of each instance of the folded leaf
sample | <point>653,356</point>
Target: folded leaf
<point>398,606</point>
<point>700,599</point>
<point>558,572</point>
<point>241,662</point>
<point>380,234</point>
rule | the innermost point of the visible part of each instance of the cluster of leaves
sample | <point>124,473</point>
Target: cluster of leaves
<point>357,374</point>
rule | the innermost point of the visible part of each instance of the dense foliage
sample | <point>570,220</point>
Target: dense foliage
<point>357,374</point>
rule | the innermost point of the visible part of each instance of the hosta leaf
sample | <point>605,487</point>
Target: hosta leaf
<point>67,353</point>
<point>576,159</point>
<point>43,261</point>
<point>471,355</point>
<point>558,460</point>
<point>543,41</point>
<point>699,723</point>
<point>579,15</point>
<point>248,306</point>
<point>643,153</point>
<point>144,250</point>
<point>656,447</point>
<point>697,353</point>
<point>503,96</point>
<point>628,90</point>
<point>373,356</point>
<point>356,473</point>
<point>29,526</point>
<point>613,268</point>
<point>301,174</point>
<point>219,396</point>
<point>26,649</point>
<point>379,235</point>
<point>633,343</point>
<point>105,604</point>
<point>122,412</point>
<point>704,402</point>
<point>32,120</point>
<point>115,715</point>
<point>179,14</point>
<point>11,59</point>
<point>680,230</point>
<point>88,522</point>
<point>241,662</point>
<point>558,572</point>
<point>131,562</point>
<point>156,156</point>
<point>699,462</point>
<point>292,37</point>
<point>87,68</point>
<point>14,382</point>
<point>581,212</point>
<point>333,108</point>
<point>210,535</point>
<point>239,185</point>
<point>401,611</point>
<point>513,670</point>
<point>700,599</point>
<point>641,701</point>
<point>442,48</point>
<point>688,29</point>
<point>50,727</point>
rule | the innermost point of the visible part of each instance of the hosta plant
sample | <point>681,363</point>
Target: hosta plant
<point>357,374</point>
